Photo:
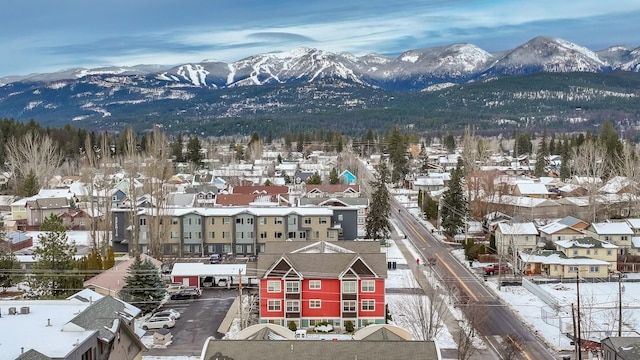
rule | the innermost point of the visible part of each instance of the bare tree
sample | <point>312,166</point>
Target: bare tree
<point>629,167</point>
<point>589,161</point>
<point>158,170</point>
<point>512,346</point>
<point>36,153</point>
<point>427,311</point>
<point>474,316</point>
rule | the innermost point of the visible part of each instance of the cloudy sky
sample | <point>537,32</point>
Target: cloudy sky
<point>46,35</point>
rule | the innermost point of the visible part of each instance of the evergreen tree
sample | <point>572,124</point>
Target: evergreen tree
<point>610,140</point>
<point>10,271</point>
<point>377,222</point>
<point>176,149</point>
<point>397,148</point>
<point>194,154</point>
<point>429,207</point>
<point>454,205</point>
<point>314,179</point>
<point>30,185</point>
<point>239,152</point>
<point>565,154</point>
<point>333,177</point>
<point>541,156</point>
<point>449,143</point>
<point>110,260</point>
<point>523,144</point>
<point>55,273</point>
<point>144,288</point>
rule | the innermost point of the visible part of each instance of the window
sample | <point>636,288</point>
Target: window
<point>360,221</point>
<point>292,220</point>
<point>316,234</point>
<point>239,221</point>
<point>263,221</point>
<point>588,251</point>
<point>349,287</point>
<point>292,234</point>
<point>273,305</point>
<point>607,238</point>
<point>307,221</point>
<point>213,221</point>
<point>87,355</point>
<point>212,234</point>
<point>226,235</point>
<point>349,305</point>
<point>340,217</point>
<point>273,286</point>
<point>608,252</point>
<point>573,269</point>
<point>322,220</point>
<point>594,269</point>
<point>315,304</point>
<point>226,248</point>
<point>293,305</point>
<point>143,221</point>
<point>302,235</point>
<point>368,286</point>
<point>331,234</point>
<point>226,221</point>
<point>187,235</point>
<point>368,305</point>
<point>595,251</point>
<point>198,221</point>
<point>239,249</point>
<point>314,284</point>
<point>263,235</point>
<point>189,221</point>
<point>278,220</point>
<point>624,238</point>
<point>174,221</point>
<point>293,287</point>
<point>175,235</point>
<point>278,235</point>
<point>575,252</point>
<point>250,221</point>
<point>239,235</point>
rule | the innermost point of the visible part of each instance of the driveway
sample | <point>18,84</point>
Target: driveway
<point>199,319</point>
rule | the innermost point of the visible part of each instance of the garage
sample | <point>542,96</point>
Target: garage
<point>210,275</point>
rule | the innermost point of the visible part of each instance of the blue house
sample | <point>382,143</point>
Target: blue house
<point>346,177</point>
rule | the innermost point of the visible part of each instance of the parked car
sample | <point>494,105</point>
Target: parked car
<point>158,323</point>
<point>215,258</point>
<point>186,294</point>
<point>495,269</point>
<point>192,290</point>
<point>169,314</point>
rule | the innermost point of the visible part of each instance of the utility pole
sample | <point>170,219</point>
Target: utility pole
<point>575,333</point>
<point>619,304</point>
<point>578,296</point>
<point>240,297</point>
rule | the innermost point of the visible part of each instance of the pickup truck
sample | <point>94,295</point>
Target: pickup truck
<point>495,269</point>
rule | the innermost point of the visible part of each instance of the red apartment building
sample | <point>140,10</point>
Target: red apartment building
<point>309,283</point>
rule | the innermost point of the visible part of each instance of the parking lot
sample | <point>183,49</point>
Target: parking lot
<point>199,319</point>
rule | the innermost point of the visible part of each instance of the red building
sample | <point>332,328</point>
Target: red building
<point>333,282</point>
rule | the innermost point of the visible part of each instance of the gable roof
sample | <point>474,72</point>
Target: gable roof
<point>585,242</point>
<point>260,190</point>
<point>611,228</point>
<point>571,221</point>
<point>102,314</point>
<point>113,279</point>
<point>532,188</point>
<point>310,349</point>
<point>518,228</point>
<point>333,188</point>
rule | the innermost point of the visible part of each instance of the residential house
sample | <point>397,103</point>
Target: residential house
<point>619,185</point>
<point>343,212</point>
<point>83,326</point>
<point>512,238</point>
<point>562,264</point>
<point>346,177</point>
<point>111,281</point>
<point>587,247</point>
<point>328,190</point>
<point>621,348</point>
<point>574,222</point>
<point>274,342</point>
<point>429,184</point>
<point>617,233</point>
<point>532,190</point>
<point>556,231</point>
<point>570,190</point>
<point>310,283</point>
<point>41,208</point>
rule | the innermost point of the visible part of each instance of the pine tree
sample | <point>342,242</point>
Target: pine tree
<point>314,179</point>
<point>397,149</point>
<point>541,156</point>
<point>110,260</point>
<point>333,177</point>
<point>176,149</point>
<point>55,273</point>
<point>144,288</point>
<point>378,226</point>
<point>30,185</point>
<point>194,155</point>
<point>10,275</point>
<point>454,206</point>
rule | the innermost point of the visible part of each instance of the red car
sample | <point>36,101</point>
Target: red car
<point>495,269</point>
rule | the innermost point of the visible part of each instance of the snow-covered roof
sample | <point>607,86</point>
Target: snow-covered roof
<point>586,242</point>
<point>612,228</point>
<point>429,181</point>
<point>558,258</point>
<point>231,211</point>
<point>532,188</point>
<point>635,242</point>
<point>615,184</point>
<point>523,201</point>
<point>633,223</point>
<point>200,269</point>
<point>518,228</point>
<point>553,228</point>
<point>43,322</point>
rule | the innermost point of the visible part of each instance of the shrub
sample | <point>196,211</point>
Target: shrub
<point>292,326</point>
<point>348,326</point>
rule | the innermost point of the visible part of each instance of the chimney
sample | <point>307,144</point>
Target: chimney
<point>48,322</point>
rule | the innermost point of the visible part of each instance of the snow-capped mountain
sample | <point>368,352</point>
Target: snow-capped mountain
<point>304,80</point>
<point>548,54</point>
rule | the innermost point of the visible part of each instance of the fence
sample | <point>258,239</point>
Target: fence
<point>541,294</point>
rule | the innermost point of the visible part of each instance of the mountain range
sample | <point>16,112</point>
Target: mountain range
<point>254,87</point>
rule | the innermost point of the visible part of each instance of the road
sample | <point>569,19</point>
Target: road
<point>498,321</point>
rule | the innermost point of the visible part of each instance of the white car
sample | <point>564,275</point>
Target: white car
<point>158,322</point>
<point>174,314</point>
